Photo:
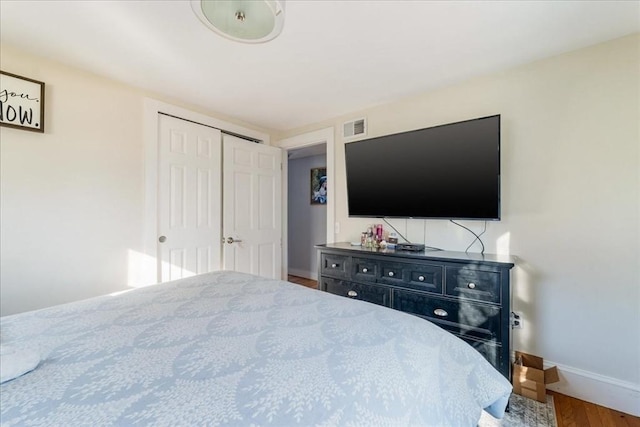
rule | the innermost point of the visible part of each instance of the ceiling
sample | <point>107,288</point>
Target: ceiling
<point>308,151</point>
<point>333,57</point>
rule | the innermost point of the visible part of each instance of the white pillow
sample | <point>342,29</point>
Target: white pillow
<point>16,361</point>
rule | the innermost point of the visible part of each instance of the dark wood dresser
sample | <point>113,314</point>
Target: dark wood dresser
<point>467,294</point>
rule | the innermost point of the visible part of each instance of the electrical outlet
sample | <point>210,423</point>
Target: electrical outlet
<point>516,320</point>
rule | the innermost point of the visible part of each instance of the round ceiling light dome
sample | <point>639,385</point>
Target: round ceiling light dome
<point>246,21</point>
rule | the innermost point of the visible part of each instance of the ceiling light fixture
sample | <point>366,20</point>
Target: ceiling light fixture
<point>246,21</point>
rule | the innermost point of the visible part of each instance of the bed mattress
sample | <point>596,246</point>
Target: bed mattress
<point>229,348</point>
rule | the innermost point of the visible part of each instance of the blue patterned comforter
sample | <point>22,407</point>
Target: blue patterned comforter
<point>229,348</point>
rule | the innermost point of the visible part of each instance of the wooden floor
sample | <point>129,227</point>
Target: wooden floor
<point>570,412</point>
<point>304,282</point>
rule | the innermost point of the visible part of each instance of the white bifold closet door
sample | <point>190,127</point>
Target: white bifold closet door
<point>252,207</point>
<point>189,195</point>
<point>200,196</point>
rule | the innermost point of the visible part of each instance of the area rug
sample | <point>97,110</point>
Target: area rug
<point>524,412</point>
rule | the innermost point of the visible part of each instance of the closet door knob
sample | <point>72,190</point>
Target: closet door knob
<point>334,265</point>
<point>162,239</point>
<point>364,270</point>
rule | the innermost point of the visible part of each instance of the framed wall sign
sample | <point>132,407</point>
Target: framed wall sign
<point>319,186</point>
<point>21,102</point>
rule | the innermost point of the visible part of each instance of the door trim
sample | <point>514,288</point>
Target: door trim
<point>321,136</point>
<point>150,270</point>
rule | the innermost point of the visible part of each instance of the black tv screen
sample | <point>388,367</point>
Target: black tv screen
<point>446,172</point>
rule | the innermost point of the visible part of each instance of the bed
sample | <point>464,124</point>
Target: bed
<point>229,348</point>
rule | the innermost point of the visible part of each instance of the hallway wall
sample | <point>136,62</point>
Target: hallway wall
<point>307,222</point>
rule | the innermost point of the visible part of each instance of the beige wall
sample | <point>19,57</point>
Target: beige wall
<point>570,197</point>
<point>72,198</point>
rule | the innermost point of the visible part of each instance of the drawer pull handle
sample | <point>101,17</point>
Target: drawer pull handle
<point>352,294</point>
<point>421,278</point>
<point>364,270</point>
<point>334,265</point>
<point>440,312</point>
<point>471,285</point>
<point>391,274</point>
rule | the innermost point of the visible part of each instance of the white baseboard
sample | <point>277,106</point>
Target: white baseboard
<point>605,391</point>
<point>302,273</point>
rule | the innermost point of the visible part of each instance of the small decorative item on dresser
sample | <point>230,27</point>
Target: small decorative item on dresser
<point>392,240</point>
<point>21,102</point>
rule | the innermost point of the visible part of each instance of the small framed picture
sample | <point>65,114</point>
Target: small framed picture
<point>319,186</point>
<point>21,102</point>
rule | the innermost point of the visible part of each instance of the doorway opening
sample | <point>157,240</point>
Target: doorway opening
<point>326,140</point>
<point>306,208</point>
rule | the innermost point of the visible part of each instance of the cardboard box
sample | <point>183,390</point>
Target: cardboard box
<point>530,379</point>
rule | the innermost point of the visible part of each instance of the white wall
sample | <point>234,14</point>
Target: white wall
<point>71,199</point>
<point>307,223</point>
<point>570,201</point>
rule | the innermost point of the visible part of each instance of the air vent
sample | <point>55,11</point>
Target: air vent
<point>354,129</point>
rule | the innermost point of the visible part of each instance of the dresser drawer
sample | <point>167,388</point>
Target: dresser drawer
<point>380,295</point>
<point>364,269</point>
<point>473,283</point>
<point>422,277</point>
<point>391,272</point>
<point>462,318</point>
<point>334,265</point>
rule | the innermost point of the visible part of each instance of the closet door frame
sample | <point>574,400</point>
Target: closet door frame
<point>145,266</point>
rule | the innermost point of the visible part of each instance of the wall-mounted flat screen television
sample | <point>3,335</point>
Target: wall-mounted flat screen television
<point>450,171</point>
